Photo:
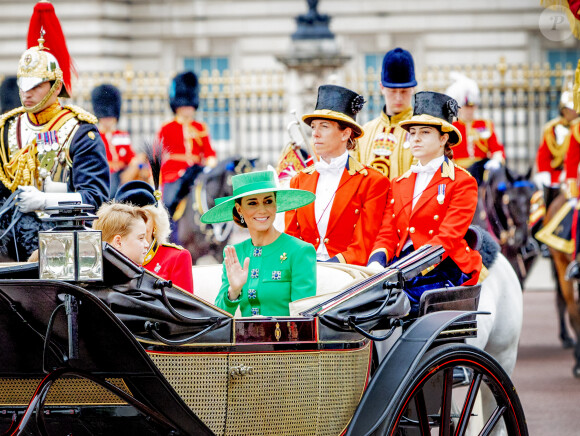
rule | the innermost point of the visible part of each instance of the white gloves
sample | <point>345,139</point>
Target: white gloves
<point>50,186</point>
<point>543,178</point>
<point>492,165</point>
<point>375,267</point>
<point>31,199</point>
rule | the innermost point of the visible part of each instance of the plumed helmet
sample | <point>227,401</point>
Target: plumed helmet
<point>184,91</point>
<point>398,69</point>
<point>464,90</point>
<point>106,100</point>
<point>9,95</point>
<point>567,96</point>
<point>47,58</point>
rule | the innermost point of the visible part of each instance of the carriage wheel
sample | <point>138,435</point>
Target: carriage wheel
<point>441,395</point>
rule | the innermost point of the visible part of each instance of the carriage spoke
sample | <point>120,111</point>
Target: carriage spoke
<point>492,421</point>
<point>468,406</point>
<point>422,413</point>
<point>445,428</point>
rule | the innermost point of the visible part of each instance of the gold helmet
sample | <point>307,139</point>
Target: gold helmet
<point>567,96</point>
<point>46,60</point>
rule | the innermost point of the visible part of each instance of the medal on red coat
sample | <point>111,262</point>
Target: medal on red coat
<point>441,194</point>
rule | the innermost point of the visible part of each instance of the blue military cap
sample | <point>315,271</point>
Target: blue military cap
<point>398,69</point>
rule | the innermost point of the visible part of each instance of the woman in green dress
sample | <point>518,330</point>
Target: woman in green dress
<point>263,274</point>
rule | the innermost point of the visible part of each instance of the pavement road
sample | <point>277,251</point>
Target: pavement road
<point>543,376</point>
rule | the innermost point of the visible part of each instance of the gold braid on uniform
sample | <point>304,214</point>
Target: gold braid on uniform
<point>382,164</point>
<point>21,168</point>
<point>558,151</point>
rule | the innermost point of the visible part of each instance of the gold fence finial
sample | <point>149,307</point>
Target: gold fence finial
<point>576,90</point>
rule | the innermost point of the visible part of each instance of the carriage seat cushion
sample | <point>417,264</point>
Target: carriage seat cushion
<point>331,279</point>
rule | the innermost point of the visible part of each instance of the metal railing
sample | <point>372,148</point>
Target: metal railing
<point>247,111</point>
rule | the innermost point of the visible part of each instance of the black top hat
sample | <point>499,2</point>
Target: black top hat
<point>106,101</point>
<point>398,69</point>
<point>9,94</point>
<point>435,109</point>
<point>136,192</point>
<point>184,91</point>
<point>338,104</point>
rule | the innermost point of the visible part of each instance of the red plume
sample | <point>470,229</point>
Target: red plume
<point>45,17</point>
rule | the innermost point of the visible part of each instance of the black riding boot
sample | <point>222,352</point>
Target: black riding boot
<point>573,270</point>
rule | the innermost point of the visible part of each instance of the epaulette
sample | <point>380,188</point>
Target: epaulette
<point>169,244</point>
<point>406,175</point>
<point>553,123</point>
<point>309,169</point>
<point>462,169</point>
<point>354,166</point>
<point>10,114</point>
<point>82,114</point>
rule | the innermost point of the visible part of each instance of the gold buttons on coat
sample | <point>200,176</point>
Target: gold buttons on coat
<point>430,232</point>
<point>326,240</point>
<point>412,230</point>
<point>392,200</point>
<point>467,249</point>
<point>317,240</point>
<point>393,215</point>
<point>407,229</point>
<point>398,244</point>
<point>398,230</point>
<point>356,211</point>
<point>436,217</point>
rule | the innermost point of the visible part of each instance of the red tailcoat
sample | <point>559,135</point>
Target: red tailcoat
<point>431,222</point>
<point>171,262</point>
<point>551,155</point>
<point>184,145</point>
<point>355,217</point>
<point>485,142</point>
<point>573,154</point>
<point>119,151</point>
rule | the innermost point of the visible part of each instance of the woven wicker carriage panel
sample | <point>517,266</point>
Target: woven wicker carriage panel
<point>64,392</point>
<point>280,397</point>
<point>202,381</point>
<point>286,393</point>
<point>343,376</point>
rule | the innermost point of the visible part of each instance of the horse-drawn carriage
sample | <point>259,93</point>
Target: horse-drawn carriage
<point>114,349</point>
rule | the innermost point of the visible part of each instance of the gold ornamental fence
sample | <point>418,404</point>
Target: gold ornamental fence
<point>247,111</point>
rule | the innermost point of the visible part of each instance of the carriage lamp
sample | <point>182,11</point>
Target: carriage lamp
<point>70,251</point>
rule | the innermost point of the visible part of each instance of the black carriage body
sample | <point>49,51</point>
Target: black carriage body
<point>111,358</point>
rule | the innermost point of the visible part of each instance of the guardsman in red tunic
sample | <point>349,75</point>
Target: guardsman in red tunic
<point>432,203</point>
<point>168,261</point>
<point>479,142</point>
<point>185,141</point>
<point>107,107</point>
<point>343,221</point>
<point>555,143</point>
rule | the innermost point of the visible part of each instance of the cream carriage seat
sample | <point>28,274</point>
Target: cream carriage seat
<point>332,278</point>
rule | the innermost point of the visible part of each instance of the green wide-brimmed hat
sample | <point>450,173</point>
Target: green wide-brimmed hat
<point>258,182</point>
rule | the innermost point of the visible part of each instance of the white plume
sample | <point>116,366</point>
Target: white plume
<point>463,89</point>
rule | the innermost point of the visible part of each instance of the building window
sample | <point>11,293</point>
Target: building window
<point>214,104</point>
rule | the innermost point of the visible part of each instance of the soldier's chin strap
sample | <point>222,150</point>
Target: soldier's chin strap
<point>40,104</point>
